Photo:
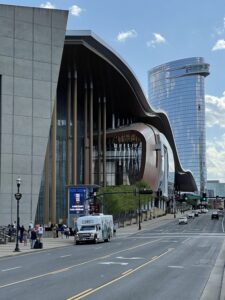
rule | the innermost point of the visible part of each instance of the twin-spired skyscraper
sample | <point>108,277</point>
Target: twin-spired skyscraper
<point>177,88</point>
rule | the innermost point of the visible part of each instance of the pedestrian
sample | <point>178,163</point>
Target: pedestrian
<point>40,232</point>
<point>25,235</point>
<point>21,233</point>
<point>67,232</point>
<point>31,225</point>
<point>57,230</point>
<point>33,238</point>
<point>62,230</point>
<point>114,229</point>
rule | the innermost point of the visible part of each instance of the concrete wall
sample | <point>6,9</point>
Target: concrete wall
<point>31,44</point>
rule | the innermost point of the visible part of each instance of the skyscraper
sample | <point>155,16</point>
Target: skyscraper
<point>177,88</point>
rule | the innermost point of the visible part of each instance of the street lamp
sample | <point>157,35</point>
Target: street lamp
<point>139,217</point>
<point>18,196</point>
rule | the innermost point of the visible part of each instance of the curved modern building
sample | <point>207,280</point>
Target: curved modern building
<point>177,88</point>
<point>73,116</point>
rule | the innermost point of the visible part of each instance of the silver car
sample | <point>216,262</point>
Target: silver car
<point>183,220</point>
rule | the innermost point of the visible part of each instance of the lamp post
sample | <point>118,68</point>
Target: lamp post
<point>18,196</point>
<point>139,214</point>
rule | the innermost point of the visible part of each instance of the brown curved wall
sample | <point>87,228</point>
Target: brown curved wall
<point>151,159</point>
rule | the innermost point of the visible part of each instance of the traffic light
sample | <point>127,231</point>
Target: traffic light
<point>204,196</point>
<point>185,197</point>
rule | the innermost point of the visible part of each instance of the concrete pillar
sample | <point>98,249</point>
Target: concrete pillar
<point>113,121</point>
<point>99,139</point>
<point>68,131</point>
<point>91,135</point>
<point>53,140</point>
<point>104,141</point>
<point>74,169</point>
<point>86,144</point>
<point>46,187</point>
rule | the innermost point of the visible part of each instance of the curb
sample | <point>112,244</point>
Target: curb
<point>215,286</point>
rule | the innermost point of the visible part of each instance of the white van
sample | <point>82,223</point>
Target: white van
<point>94,228</point>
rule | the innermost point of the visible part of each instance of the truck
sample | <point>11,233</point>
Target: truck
<point>94,228</point>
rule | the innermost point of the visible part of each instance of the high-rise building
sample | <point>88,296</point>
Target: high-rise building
<point>73,118</point>
<point>177,88</point>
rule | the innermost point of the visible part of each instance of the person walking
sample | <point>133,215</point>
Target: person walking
<point>67,232</point>
<point>25,235</point>
<point>54,229</point>
<point>114,229</point>
<point>62,230</point>
<point>40,232</point>
<point>21,233</point>
<point>33,238</point>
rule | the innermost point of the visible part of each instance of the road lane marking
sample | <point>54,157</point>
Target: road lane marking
<point>222,224</point>
<point>113,263</point>
<point>77,265</point>
<point>125,274</point>
<point>80,294</point>
<point>176,267</point>
<point>65,255</point>
<point>10,269</point>
<point>121,257</point>
<point>59,271</point>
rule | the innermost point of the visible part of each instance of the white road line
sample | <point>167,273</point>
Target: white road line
<point>10,269</point>
<point>113,263</point>
<point>65,255</point>
<point>176,267</point>
<point>121,257</point>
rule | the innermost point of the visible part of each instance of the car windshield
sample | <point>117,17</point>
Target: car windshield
<point>88,227</point>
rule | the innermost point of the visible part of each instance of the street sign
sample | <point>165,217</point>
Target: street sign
<point>18,196</point>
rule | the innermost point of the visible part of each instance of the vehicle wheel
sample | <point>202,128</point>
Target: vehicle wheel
<point>95,240</point>
<point>77,243</point>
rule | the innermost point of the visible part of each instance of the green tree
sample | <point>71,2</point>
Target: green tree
<point>122,199</point>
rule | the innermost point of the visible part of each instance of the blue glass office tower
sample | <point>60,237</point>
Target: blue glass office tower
<point>177,88</point>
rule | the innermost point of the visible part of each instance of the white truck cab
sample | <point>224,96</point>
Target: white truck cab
<point>94,228</point>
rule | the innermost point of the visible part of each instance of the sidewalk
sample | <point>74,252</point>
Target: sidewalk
<point>7,250</point>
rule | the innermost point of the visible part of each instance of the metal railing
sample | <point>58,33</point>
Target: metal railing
<point>6,235</point>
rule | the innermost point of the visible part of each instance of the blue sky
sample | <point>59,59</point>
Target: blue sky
<point>147,33</point>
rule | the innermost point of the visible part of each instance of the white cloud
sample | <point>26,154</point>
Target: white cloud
<point>123,36</point>
<point>220,45</point>
<point>47,5</point>
<point>215,111</point>
<point>215,154</point>
<point>215,147</point>
<point>75,10</point>
<point>158,39</point>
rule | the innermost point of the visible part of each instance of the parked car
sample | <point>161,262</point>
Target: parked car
<point>220,213</point>
<point>195,213</point>
<point>215,215</point>
<point>183,220</point>
<point>190,215</point>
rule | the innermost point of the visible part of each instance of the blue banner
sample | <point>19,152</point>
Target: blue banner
<point>77,199</point>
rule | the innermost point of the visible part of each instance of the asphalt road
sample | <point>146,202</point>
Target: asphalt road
<point>169,262</point>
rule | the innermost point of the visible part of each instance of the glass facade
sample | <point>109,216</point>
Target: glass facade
<point>123,159</point>
<point>178,89</point>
